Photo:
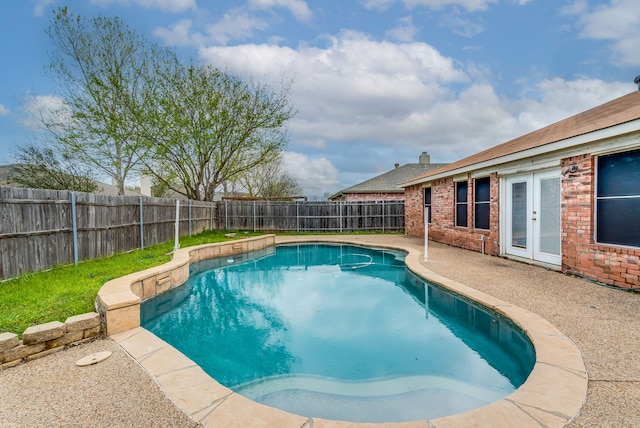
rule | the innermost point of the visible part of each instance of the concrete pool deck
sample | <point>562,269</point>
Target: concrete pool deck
<point>601,322</point>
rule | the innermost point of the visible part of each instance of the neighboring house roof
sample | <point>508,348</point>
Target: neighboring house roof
<point>389,181</point>
<point>621,110</point>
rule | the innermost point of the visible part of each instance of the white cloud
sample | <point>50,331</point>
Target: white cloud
<point>3,110</point>
<point>379,5</point>
<point>364,104</point>
<point>167,5</point>
<point>576,8</point>
<point>41,5</point>
<point>40,109</point>
<point>315,176</point>
<point>236,24</point>
<point>461,26</point>
<point>354,88</point>
<point>298,8</point>
<point>469,5</point>
<point>178,34</point>
<point>405,31</point>
<point>557,99</point>
<point>617,22</point>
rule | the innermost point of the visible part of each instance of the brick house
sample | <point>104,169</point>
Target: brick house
<point>566,196</point>
<point>385,187</point>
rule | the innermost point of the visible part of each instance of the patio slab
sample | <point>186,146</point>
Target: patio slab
<point>553,393</point>
<point>601,322</point>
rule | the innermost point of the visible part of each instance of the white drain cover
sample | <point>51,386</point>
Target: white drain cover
<point>93,358</point>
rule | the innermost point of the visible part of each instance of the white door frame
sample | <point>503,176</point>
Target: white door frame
<point>529,245</point>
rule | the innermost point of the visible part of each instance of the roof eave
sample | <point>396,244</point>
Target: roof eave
<point>601,134</point>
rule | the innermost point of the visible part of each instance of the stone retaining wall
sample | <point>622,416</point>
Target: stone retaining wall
<point>118,300</point>
<point>44,339</point>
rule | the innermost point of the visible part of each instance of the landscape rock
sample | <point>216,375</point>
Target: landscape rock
<point>43,332</point>
<point>8,341</point>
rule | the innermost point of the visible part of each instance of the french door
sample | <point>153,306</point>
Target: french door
<point>532,216</point>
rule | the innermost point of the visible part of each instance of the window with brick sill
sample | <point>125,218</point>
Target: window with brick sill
<point>618,198</point>
<point>462,190</point>
<point>481,205</point>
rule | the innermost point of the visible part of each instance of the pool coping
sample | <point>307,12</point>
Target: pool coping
<point>552,395</point>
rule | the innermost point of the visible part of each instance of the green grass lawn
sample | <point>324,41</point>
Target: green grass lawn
<point>67,290</point>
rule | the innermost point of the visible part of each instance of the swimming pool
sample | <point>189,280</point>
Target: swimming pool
<point>340,332</point>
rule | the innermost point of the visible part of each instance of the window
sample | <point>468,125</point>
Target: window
<point>461,203</point>
<point>618,198</point>
<point>481,203</point>
<point>427,201</point>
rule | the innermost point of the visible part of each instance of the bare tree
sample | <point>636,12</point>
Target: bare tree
<point>102,70</point>
<point>269,181</point>
<point>209,127</point>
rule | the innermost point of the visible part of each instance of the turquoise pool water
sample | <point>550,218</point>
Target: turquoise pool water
<point>340,332</point>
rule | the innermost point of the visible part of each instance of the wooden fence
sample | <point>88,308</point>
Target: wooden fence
<point>312,216</point>
<point>43,228</point>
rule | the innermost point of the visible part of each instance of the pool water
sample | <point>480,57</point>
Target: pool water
<point>340,332</point>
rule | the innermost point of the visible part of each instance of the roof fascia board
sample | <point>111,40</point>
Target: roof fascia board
<point>524,168</point>
<point>602,134</point>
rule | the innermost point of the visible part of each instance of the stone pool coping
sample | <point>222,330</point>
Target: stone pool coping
<point>552,395</point>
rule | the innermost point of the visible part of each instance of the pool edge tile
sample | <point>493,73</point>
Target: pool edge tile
<point>552,395</point>
<point>237,410</point>
<point>192,390</point>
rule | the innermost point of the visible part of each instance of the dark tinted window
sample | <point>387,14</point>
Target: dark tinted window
<point>482,189</point>
<point>481,211</point>
<point>461,203</point>
<point>619,174</point>
<point>618,199</point>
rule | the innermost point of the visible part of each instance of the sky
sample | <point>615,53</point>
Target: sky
<point>375,82</point>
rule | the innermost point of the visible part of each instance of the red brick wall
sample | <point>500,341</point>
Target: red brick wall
<point>374,197</point>
<point>580,254</point>
<point>414,211</point>
<point>608,264</point>
<point>442,227</point>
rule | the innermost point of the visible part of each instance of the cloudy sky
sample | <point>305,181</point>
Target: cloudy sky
<point>375,81</point>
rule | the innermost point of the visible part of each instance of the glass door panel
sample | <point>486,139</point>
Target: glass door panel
<point>519,215</point>
<point>549,220</point>
<point>546,216</point>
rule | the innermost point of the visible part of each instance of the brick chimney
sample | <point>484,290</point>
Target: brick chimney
<point>425,158</point>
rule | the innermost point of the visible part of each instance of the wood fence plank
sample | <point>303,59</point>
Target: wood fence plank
<point>36,234</point>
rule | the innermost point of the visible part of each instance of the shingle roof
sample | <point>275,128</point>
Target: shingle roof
<point>389,181</point>
<point>616,112</point>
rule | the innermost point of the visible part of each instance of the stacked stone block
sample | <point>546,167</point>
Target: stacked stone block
<point>44,339</point>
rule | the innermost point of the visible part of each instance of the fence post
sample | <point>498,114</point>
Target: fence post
<point>141,227</point>
<point>383,216</point>
<point>297,217</point>
<point>254,216</point>
<point>190,230</point>
<point>226,217</point>
<point>211,215</point>
<point>74,228</point>
<point>340,217</point>
<point>176,245</point>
